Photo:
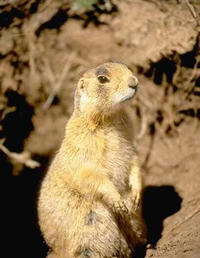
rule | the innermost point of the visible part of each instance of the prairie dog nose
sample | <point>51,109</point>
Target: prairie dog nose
<point>133,82</point>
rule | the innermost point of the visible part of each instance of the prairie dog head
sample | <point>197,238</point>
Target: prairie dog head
<point>104,88</point>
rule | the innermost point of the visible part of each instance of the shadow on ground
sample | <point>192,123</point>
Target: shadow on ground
<point>159,202</point>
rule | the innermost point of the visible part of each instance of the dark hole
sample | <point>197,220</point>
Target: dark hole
<point>15,63</point>
<point>56,100</point>
<point>197,82</point>
<point>34,7</point>
<point>138,112</point>
<point>198,113</point>
<point>179,122</point>
<point>175,88</point>
<point>188,59</point>
<point>92,17</point>
<point>54,23</point>
<point>168,129</point>
<point>2,56</point>
<point>197,93</point>
<point>159,116</point>
<point>17,124</point>
<point>188,112</point>
<point>20,213</point>
<point>140,69</point>
<point>163,67</point>
<point>152,128</point>
<point>6,18</point>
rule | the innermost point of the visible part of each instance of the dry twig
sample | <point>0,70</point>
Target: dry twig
<point>57,82</point>
<point>23,158</point>
<point>193,12</point>
<point>144,124</point>
<point>190,216</point>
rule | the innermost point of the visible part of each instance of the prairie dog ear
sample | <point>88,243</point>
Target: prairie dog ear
<point>78,93</point>
<point>81,84</point>
<point>81,98</point>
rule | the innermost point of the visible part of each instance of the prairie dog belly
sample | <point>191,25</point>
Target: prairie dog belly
<point>79,224</point>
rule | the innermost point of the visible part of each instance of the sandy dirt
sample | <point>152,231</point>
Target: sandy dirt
<point>45,46</point>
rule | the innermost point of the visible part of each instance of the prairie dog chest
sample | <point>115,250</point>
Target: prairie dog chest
<point>118,156</point>
<point>108,149</point>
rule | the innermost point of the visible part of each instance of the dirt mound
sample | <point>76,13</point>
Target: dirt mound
<point>44,48</point>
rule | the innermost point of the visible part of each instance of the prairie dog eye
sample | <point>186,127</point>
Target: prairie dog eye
<point>102,79</point>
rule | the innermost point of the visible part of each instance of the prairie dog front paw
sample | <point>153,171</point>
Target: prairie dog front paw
<point>136,196</point>
<point>120,207</point>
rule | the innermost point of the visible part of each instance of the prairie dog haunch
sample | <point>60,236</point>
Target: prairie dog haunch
<point>90,199</point>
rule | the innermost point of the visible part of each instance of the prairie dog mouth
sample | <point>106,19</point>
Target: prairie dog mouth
<point>127,96</point>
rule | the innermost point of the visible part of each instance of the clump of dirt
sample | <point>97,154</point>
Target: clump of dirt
<point>45,46</point>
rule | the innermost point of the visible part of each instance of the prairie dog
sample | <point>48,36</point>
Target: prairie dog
<point>89,201</point>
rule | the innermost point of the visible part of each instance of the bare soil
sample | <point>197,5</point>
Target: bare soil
<point>45,46</point>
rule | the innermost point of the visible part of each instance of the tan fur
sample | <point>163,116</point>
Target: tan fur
<point>90,200</point>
